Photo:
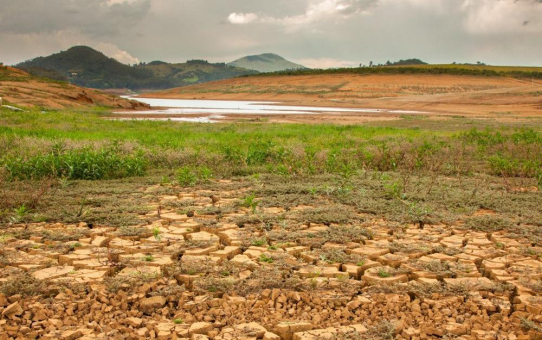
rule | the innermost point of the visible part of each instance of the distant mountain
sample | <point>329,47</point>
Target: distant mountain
<point>84,66</point>
<point>193,71</point>
<point>267,62</point>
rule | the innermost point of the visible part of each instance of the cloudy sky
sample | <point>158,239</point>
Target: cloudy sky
<point>317,33</point>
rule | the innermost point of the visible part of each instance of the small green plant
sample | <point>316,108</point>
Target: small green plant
<point>384,273</point>
<point>189,177</point>
<point>250,202</point>
<point>205,174</point>
<point>272,247</point>
<point>265,258</point>
<point>186,177</point>
<point>500,245</point>
<point>20,213</point>
<point>178,321</point>
<point>165,180</point>
<point>360,264</point>
<point>75,245</point>
<point>148,258</point>
<point>394,190</point>
<point>156,233</point>
<point>259,242</point>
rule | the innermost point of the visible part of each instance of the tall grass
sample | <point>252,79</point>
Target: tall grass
<point>84,163</point>
<point>94,148</point>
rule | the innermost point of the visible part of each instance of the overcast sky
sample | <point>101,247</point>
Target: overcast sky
<point>316,33</point>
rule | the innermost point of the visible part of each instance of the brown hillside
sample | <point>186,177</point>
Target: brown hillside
<point>19,88</point>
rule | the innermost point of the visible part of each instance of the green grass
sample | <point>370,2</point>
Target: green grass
<point>83,145</point>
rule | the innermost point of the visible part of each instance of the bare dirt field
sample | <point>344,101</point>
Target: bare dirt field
<point>498,98</point>
<point>221,263</point>
<point>19,88</point>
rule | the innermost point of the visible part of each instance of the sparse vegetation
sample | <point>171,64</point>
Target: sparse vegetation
<point>314,223</point>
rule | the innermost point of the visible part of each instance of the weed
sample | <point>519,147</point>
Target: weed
<point>20,213</point>
<point>178,321</point>
<point>188,176</point>
<point>250,202</point>
<point>383,273</point>
<point>148,258</point>
<point>266,259</point>
<point>157,234</point>
<point>75,245</point>
<point>259,242</point>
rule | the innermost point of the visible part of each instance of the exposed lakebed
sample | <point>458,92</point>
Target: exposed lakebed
<point>201,111</point>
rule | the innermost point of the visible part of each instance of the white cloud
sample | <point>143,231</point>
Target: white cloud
<point>113,51</point>
<point>315,12</point>
<point>242,18</point>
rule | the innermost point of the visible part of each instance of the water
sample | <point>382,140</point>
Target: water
<point>218,108</point>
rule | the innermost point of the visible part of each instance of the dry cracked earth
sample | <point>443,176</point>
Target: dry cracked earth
<point>235,275</point>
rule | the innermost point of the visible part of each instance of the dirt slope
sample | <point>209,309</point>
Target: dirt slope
<point>19,88</point>
<point>438,94</point>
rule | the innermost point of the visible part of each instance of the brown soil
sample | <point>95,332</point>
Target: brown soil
<point>203,276</point>
<point>497,97</point>
<point>21,89</point>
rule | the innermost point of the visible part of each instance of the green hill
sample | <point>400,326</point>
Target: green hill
<point>87,67</point>
<point>267,62</point>
<point>193,71</point>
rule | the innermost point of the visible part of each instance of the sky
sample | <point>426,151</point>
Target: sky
<point>315,33</point>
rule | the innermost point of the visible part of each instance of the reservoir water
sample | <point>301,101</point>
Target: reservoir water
<point>217,108</point>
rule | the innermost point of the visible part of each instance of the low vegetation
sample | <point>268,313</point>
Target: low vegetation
<point>347,232</point>
<point>410,68</point>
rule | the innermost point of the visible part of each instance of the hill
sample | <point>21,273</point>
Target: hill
<point>400,88</point>
<point>267,62</point>
<point>193,71</point>
<point>22,89</point>
<point>87,67</point>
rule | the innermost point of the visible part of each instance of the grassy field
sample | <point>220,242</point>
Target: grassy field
<point>56,148</point>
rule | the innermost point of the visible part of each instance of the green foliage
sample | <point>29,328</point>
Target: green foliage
<point>200,152</point>
<point>188,176</point>
<point>259,242</point>
<point>462,70</point>
<point>266,259</point>
<point>250,202</point>
<point>156,233</point>
<point>20,214</point>
<point>85,163</point>
<point>383,273</point>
